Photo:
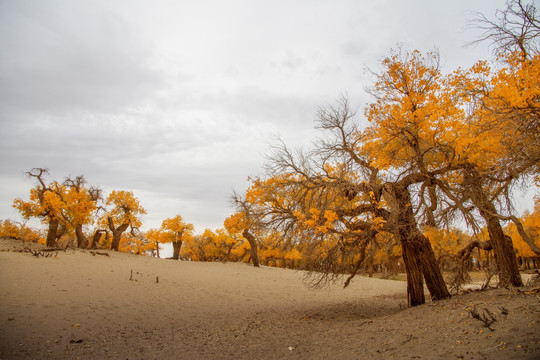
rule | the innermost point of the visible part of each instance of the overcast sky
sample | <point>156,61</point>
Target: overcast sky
<point>178,100</point>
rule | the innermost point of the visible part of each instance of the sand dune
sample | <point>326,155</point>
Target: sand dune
<point>121,306</point>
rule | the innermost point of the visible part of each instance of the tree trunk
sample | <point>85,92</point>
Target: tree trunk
<point>253,245</point>
<point>431,269</point>
<point>413,266</point>
<point>418,254</point>
<point>177,245</point>
<point>51,233</point>
<point>117,233</point>
<point>503,248</point>
<point>96,238</point>
<point>61,231</point>
<point>82,240</point>
<point>370,265</point>
<point>115,244</point>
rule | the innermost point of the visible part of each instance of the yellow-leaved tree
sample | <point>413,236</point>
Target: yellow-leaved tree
<point>45,203</point>
<point>175,230</point>
<point>239,223</point>
<point>123,213</point>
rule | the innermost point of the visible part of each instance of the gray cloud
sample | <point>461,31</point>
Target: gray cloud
<point>177,101</point>
<point>61,56</point>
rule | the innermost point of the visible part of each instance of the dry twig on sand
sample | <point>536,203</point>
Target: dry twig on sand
<point>486,317</point>
<point>94,253</point>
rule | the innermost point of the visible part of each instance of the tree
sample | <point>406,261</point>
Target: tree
<point>124,209</point>
<point>241,223</point>
<point>155,237</point>
<point>67,206</point>
<point>80,206</point>
<point>19,231</point>
<point>498,148</point>
<point>516,29</point>
<point>9,229</point>
<point>411,124</point>
<point>176,231</point>
<point>44,203</point>
<point>134,242</point>
<point>422,130</point>
<point>336,197</point>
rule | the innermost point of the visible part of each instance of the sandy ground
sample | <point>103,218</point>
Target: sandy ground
<point>78,306</point>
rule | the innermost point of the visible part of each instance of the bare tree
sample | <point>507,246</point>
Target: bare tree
<point>517,28</point>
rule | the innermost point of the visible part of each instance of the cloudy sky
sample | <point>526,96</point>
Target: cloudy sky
<point>179,100</point>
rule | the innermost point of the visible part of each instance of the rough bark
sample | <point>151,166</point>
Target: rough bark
<point>51,233</point>
<point>431,270</point>
<point>503,248</point>
<point>60,232</point>
<point>253,247</point>
<point>82,240</point>
<point>415,283</point>
<point>117,233</point>
<point>418,254</point>
<point>177,245</point>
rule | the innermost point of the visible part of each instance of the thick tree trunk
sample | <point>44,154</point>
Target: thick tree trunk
<point>51,233</point>
<point>418,254</point>
<point>117,233</point>
<point>431,269</point>
<point>503,248</point>
<point>177,245</point>
<point>253,245</point>
<point>505,256</point>
<point>82,240</point>
<point>60,232</point>
<point>115,244</point>
<point>413,266</point>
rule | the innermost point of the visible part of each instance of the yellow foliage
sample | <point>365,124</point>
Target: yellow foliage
<point>531,225</point>
<point>124,209</point>
<point>175,229</point>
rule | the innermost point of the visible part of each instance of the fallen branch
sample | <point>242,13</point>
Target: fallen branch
<point>94,253</point>
<point>529,291</point>
<point>487,317</point>
<point>38,253</point>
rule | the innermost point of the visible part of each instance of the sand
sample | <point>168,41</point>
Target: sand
<point>78,306</point>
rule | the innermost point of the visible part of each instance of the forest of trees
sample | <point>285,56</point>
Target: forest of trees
<point>423,187</point>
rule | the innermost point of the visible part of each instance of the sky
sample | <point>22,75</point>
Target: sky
<point>179,101</point>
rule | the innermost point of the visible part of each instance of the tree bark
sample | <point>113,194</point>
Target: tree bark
<point>503,248</point>
<point>117,233</point>
<point>413,266</point>
<point>177,245</point>
<point>51,233</point>
<point>418,254</point>
<point>253,245</point>
<point>82,240</point>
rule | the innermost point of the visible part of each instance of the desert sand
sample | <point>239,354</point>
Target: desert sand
<point>75,305</point>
